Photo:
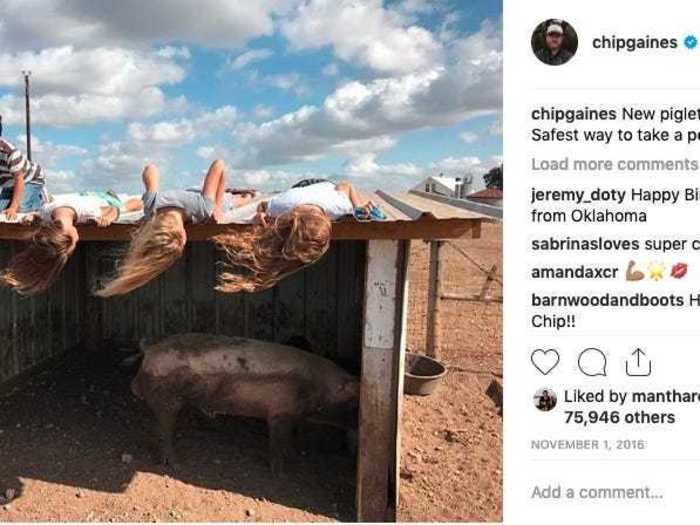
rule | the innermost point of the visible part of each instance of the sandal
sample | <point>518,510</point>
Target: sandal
<point>376,214</point>
<point>361,214</point>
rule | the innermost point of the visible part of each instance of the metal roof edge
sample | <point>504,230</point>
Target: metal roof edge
<point>494,212</point>
<point>412,212</point>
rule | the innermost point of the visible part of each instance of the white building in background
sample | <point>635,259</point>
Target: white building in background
<point>455,187</point>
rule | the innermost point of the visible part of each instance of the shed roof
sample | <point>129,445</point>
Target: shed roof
<point>409,216</point>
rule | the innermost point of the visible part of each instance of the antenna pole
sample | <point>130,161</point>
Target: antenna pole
<point>27,74</point>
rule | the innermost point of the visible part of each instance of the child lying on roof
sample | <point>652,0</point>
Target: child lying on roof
<point>335,200</point>
<point>54,240</point>
<point>161,239</point>
<point>293,230</point>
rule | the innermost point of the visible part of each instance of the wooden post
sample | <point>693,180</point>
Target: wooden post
<point>383,351</point>
<point>433,332</point>
<point>399,368</point>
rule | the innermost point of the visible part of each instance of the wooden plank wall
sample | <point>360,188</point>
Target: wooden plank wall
<point>322,303</point>
<point>35,329</point>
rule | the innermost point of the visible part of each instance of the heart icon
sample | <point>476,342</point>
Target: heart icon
<point>545,360</point>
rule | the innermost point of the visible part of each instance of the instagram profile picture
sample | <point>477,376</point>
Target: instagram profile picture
<point>545,399</point>
<point>554,42</point>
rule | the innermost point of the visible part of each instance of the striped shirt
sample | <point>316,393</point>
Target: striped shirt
<point>13,161</point>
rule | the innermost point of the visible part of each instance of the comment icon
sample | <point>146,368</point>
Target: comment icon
<point>592,362</point>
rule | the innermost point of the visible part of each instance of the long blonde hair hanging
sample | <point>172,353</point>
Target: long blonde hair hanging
<point>154,248</point>
<point>259,258</point>
<point>34,269</point>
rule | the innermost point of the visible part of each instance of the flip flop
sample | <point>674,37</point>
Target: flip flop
<point>361,215</point>
<point>376,214</point>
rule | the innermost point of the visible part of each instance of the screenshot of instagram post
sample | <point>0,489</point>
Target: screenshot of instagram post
<point>602,258</point>
<point>251,261</point>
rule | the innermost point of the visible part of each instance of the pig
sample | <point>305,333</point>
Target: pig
<point>240,377</point>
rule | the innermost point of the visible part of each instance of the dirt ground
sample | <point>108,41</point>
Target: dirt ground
<point>451,440</point>
<point>53,469</point>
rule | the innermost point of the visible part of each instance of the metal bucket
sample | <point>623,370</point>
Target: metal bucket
<point>422,374</point>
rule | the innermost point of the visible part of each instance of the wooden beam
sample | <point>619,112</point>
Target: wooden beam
<point>433,331</point>
<point>471,298</point>
<point>425,228</point>
<point>382,357</point>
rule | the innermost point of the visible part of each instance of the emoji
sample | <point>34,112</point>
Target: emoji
<point>633,275</point>
<point>656,271</point>
<point>679,270</point>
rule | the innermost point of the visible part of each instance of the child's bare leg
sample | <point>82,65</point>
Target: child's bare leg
<point>151,178</point>
<point>350,191</point>
<point>220,190</point>
<point>133,204</point>
<point>214,184</point>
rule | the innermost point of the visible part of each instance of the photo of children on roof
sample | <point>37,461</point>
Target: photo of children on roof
<point>251,261</point>
<point>554,42</point>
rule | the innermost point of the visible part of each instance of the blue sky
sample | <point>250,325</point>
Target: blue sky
<point>382,93</point>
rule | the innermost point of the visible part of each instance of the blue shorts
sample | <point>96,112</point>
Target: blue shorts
<point>32,200</point>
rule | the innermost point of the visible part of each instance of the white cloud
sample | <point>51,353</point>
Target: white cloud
<point>62,181</point>
<point>185,130</point>
<point>449,28</point>
<point>403,174</point>
<point>216,120</point>
<point>468,85</point>
<point>366,166</point>
<point>360,147</point>
<point>83,86</point>
<point>99,71</point>
<point>288,82</point>
<point>66,111</point>
<point>362,32</point>
<point>253,55</point>
<point>496,128</point>
<point>47,153</point>
<point>206,152</point>
<point>119,164</point>
<point>263,111</point>
<point>268,179</point>
<point>214,23</point>
<point>416,6</point>
<point>166,132</point>
<point>468,137</point>
<point>174,52</point>
<point>330,70</point>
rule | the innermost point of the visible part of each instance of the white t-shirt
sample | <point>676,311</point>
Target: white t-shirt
<point>324,195</point>
<point>87,207</point>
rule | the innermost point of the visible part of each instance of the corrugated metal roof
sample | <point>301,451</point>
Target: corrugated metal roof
<point>416,207</point>
<point>474,206</point>
<point>409,216</point>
